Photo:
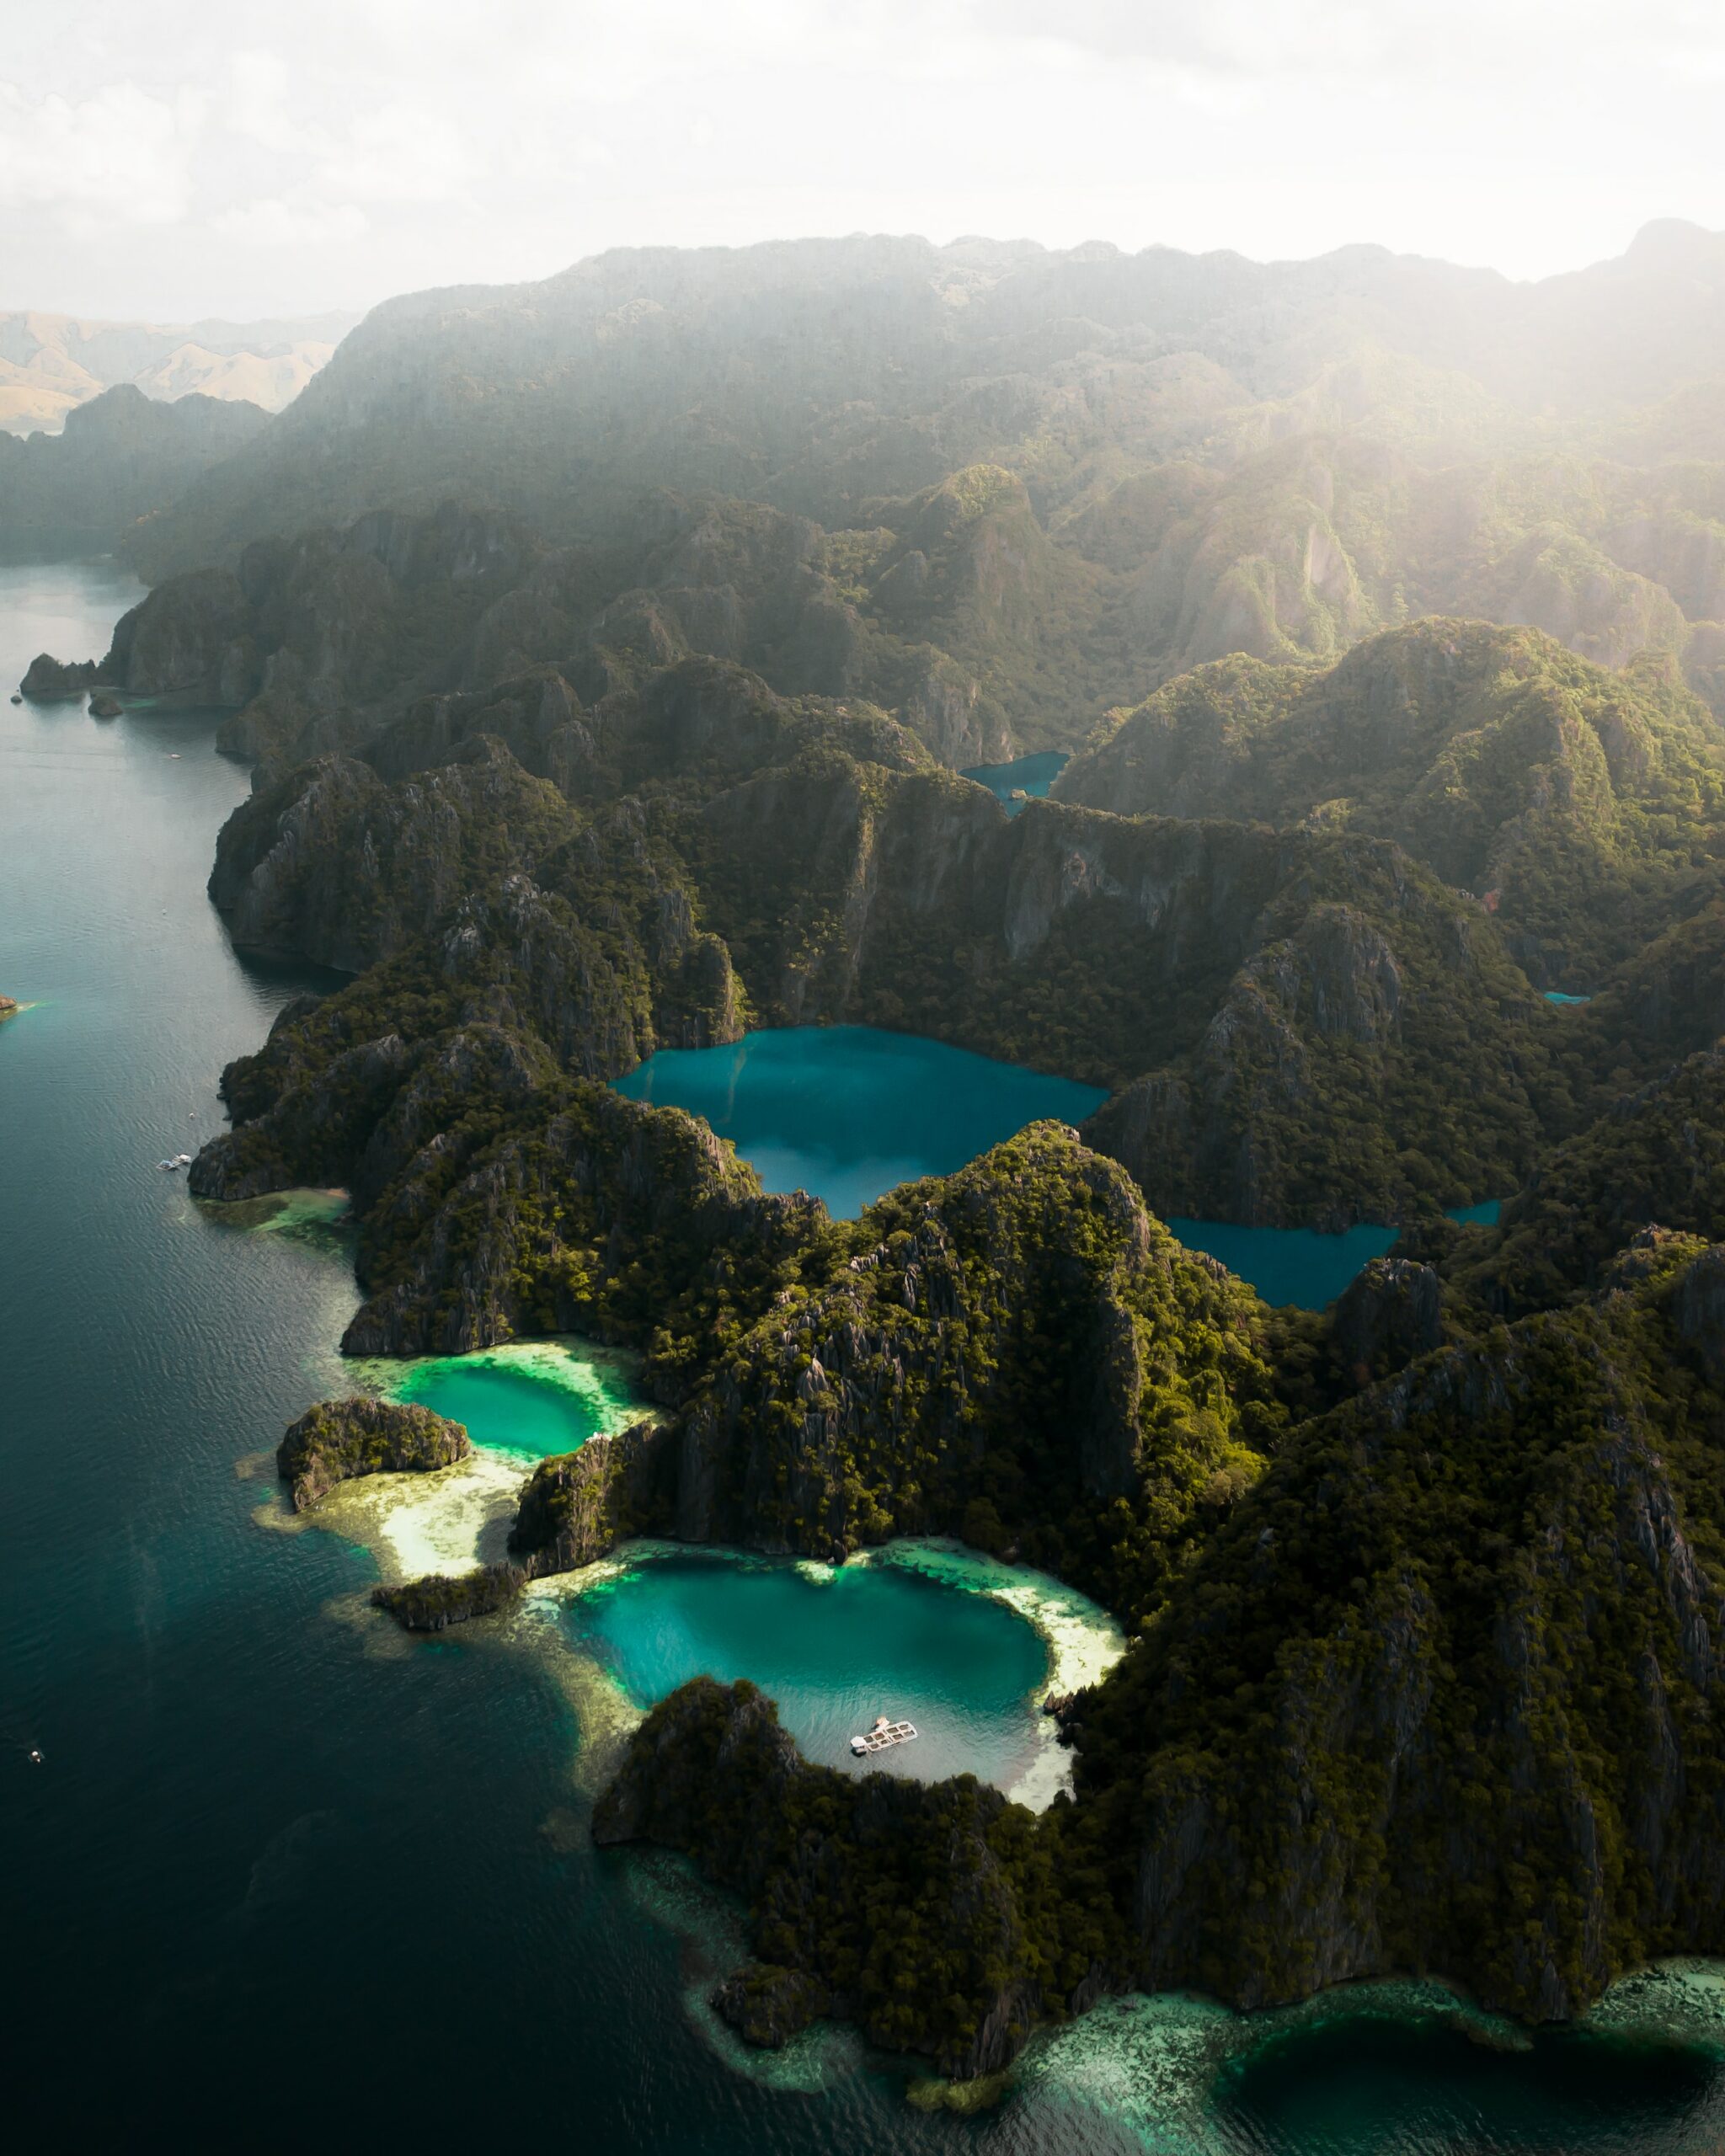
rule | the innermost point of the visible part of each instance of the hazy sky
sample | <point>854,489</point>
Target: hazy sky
<point>177,157</point>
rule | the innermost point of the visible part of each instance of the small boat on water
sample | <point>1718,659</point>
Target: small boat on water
<point>883,1734</point>
<point>182,1160</point>
<point>167,1168</point>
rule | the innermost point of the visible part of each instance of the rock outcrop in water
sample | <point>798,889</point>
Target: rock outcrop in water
<point>576,1507</point>
<point>338,1439</point>
<point>439,1600</point>
<point>48,680</point>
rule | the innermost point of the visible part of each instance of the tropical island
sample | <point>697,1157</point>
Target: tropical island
<point>1383,732</point>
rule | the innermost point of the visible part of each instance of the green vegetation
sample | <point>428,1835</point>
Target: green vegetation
<point>434,1603</point>
<point>1437,1694</point>
<point>944,1920</point>
<point>1424,1592</point>
<point>1574,802</point>
<point>340,1439</point>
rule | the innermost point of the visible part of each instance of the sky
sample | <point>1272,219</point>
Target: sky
<point>170,159</point>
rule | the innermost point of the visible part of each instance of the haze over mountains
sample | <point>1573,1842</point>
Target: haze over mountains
<point>50,364</point>
<point>1176,457</point>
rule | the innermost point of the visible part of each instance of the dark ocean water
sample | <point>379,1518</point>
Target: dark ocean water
<point>284,1878</point>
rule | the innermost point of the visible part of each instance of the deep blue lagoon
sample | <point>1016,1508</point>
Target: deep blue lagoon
<point>848,1113</point>
<point>1029,776</point>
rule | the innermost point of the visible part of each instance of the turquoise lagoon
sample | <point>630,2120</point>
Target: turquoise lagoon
<point>1030,775</point>
<point>848,1113</point>
<point>530,1399</point>
<point>261,1809</point>
<point>962,1646</point>
<point>1299,1266</point>
<point>929,1633</point>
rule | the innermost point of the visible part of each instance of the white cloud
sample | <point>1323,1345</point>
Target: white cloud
<point>280,220</point>
<point>116,155</point>
<point>163,154</point>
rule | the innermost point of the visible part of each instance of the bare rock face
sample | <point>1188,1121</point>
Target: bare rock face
<point>1391,1313</point>
<point>577,1508</point>
<point>339,1439</point>
<point>192,638</point>
<point>1699,1309</point>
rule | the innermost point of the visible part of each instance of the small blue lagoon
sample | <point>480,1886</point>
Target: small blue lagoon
<point>1028,775</point>
<point>848,1113</point>
<point>1300,1265</point>
<point>1556,995</point>
<point>1288,1265</point>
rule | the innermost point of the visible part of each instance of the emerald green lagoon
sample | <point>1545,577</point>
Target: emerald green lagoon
<point>848,1113</point>
<point>531,1400</point>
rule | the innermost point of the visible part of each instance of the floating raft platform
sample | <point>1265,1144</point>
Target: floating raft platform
<point>883,1734</point>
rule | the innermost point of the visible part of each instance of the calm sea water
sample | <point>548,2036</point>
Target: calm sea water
<point>848,1112</point>
<point>285,1877</point>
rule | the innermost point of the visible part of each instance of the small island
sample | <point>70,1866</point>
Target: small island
<point>338,1439</point>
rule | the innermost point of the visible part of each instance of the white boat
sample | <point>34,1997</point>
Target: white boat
<point>883,1734</point>
<point>182,1160</point>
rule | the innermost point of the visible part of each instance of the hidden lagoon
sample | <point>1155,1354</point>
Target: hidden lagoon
<point>254,1796</point>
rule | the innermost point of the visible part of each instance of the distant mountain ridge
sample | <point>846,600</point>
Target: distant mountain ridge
<point>1183,456</point>
<point>50,364</point>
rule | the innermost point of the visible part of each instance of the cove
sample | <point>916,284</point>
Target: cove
<point>519,1403</point>
<point>1398,2067</point>
<point>929,1642</point>
<point>1030,775</point>
<point>530,1399</point>
<point>848,1112</point>
<point>1299,1267</point>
